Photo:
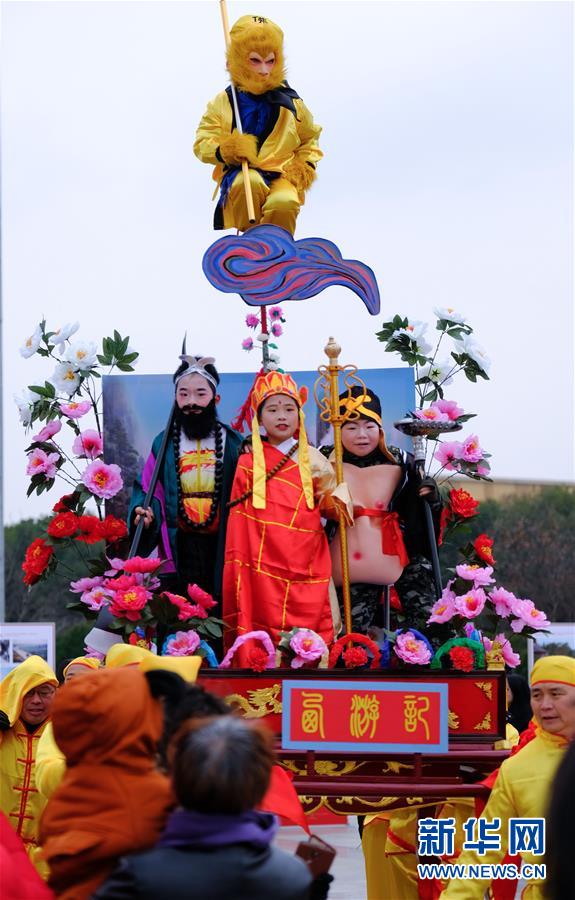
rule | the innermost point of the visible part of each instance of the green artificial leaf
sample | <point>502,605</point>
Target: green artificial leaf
<point>131,357</point>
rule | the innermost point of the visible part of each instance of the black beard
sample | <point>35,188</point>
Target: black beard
<point>197,425</point>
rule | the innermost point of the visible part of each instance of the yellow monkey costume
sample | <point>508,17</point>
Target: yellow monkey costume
<point>280,140</point>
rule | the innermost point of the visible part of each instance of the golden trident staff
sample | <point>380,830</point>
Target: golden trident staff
<point>326,392</point>
<point>245,166</point>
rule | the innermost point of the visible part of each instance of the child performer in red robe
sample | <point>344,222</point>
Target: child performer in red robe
<point>277,568</point>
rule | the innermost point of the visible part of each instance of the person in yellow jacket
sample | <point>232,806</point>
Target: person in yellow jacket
<point>279,140</point>
<point>523,785</point>
<point>389,840</point>
<point>50,761</point>
<point>26,697</point>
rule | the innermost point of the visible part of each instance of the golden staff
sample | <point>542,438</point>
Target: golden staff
<point>330,409</point>
<point>245,166</point>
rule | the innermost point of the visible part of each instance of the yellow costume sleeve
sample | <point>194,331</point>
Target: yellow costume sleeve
<point>308,133</point>
<point>50,763</point>
<point>330,496</point>
<point>216,122</point>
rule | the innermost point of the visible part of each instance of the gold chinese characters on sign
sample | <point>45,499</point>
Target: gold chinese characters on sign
<point>312,714</point>
<point>364,715</point>
<point>414,710</point>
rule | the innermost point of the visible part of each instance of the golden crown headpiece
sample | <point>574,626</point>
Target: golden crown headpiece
<point>276,383</point>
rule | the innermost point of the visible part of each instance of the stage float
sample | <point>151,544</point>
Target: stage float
<point>396,717</point>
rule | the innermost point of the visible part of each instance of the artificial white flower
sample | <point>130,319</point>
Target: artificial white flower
<point>63,334</point>
<point>273,357</point>
<point>82,355</point>
<point>31,343</point>
<point>438,372</point>
<point>452,315</point>
<point>475,351</point>
<point>24,404</point>
<point>65,379</point>
<point>413,331</point>
<point>422,346</point>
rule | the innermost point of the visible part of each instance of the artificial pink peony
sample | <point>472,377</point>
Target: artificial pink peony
<point>479,575</point>
<point>276,329</point>
<point>470,449</point>
<point>448,453</point>
<point>41,463</point>
<point>141,565</point>
<point>431,414</point>
<point>103,480</point>
<point>248,344</point>
<point>86,584</point>
<point>129,604</point>
<point>411,650</point>
<point>450,408</point>
<point>88,444</point>
<point>443,609</point>
<point>275,313</point>
<point>307,646</point>
<point>48,431</point>
<point>96,598</point>
<point>182,643</point>
<point>511,658</point>
<point>201,597</point>
<point>471,604</point>
<point>75,410</point>
<point>503,600</point>
<point>252,321</point>
<point>528,614</point>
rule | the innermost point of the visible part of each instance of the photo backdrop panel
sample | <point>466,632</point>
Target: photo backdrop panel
<point>136,408</point>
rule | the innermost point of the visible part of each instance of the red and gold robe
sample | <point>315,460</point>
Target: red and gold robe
<point>277,567</point>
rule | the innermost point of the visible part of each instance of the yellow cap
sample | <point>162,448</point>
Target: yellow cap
<point>558,669</point>
<point>125,655</point>
<point>89,661</point>
<point>185,666</point>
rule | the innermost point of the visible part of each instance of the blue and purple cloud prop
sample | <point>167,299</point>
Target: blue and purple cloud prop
<point>266,265</point>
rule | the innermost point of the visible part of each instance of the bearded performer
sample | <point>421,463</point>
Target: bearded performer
<point>187,518</point>
<point>277,567</point>
<point>388,543</point>
<point>280,139</point>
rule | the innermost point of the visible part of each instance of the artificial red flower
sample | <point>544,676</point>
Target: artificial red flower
<point>65,503</point>
<point>200,596</point>
<point>63,525</point>
<point>394,599</point>
<point>90,529</point>
<point>36,560</point>
<point>129,604</point>
<point>142,565</point>
<point>113,529</point>
<point>123,583</point>
<point>354,657</point>
<point>462,658</point>
<point>258,659</point>
<point>483,547</point>
<point>445,517</point>
<point>462,504</point>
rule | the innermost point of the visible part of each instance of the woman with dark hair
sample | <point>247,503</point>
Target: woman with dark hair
<point>215,845</point>
<point>519,712</point>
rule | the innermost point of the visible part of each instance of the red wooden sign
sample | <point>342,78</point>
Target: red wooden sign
<point>375,717</point>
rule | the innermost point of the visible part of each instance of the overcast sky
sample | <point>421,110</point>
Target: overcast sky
<point>448,169</point>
